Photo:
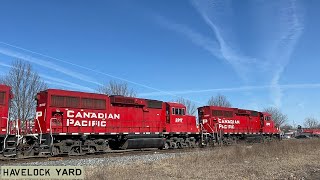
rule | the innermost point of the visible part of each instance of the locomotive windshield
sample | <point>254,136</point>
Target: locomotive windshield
<point>267,118</point>
<point>178,111</point>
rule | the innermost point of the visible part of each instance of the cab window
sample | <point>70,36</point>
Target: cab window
<point>176,111</point>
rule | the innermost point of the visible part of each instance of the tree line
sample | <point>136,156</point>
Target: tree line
<point>26,83</point>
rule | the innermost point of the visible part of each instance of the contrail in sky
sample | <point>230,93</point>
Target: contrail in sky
<point>6,52</point>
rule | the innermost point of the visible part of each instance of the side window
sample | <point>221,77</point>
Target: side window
<point>183,112</point>
<point>177,111</point>
<point>173,111</point>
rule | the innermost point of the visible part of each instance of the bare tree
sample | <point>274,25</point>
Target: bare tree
<point>191,107</point>
<point>25,84</point>
<point>117,88</point>
<point>219,100</point>
<point>311,122</point>
<point>286,128</point>
<point>278,117</point>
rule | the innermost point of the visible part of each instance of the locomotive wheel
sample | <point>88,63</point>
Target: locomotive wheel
<point>166,146</point>
<point>25,149</point>
<point>179,145</point>
<point>75,151</point>
<point>91,150</point>
<point>54,151</point>
<point>173,145</point>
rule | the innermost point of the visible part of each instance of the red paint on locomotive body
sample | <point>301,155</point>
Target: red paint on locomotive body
<point>70,112</point>
<point>5,96</point>
<point>312,131</point>
<point>235,121</point>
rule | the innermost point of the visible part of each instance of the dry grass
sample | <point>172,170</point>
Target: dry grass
<point>290,159</point>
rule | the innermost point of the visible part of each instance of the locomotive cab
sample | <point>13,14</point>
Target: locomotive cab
<point>174,115</point>
<point>177,119</point>
<point>267,124</point>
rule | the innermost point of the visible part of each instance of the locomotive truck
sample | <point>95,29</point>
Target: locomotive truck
<point>77,123</point>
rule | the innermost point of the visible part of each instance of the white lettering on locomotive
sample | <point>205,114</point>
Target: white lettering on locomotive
<point>38,114</point>
<point>42,104</point>
<point>91,118</point>
<point>227,123</point>
<point>179,120</point>
<point>85,123</point>
<point>225,126</point>
<point>92,115</point>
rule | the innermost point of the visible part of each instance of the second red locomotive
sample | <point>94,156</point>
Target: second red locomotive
<point>223,124</point>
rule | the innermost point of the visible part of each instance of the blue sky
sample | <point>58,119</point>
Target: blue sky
<point>258,53</point>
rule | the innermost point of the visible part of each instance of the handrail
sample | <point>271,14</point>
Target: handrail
<point>5,139</point>
<point>18,131</point>
<point>40,135</point>
<point>51,142</point>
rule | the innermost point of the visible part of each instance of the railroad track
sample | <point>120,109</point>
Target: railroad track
<point>117,153</point>
<point>113,153</point>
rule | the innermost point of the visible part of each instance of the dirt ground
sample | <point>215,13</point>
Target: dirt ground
<point>287,159</point>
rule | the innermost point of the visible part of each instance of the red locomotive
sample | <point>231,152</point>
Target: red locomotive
<point>311,131</point>
<point>4,109</point>
<point>5,135</point>
<point>75,123</point>
<point>72,122</point>
<point>222,124</point>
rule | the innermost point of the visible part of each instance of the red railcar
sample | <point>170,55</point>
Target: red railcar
<point>4,108</point>
<point>7,140</point>
<point>77,122</point>
<point>230,124</point>
<point>311,131</point>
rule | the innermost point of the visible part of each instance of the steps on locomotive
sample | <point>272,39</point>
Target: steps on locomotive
<point>10,146</point>
<point>44,147</point>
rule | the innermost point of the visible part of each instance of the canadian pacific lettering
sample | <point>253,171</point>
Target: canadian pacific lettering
<point>80,114</point>
<point>92,118</point>
<point>227,123</point>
